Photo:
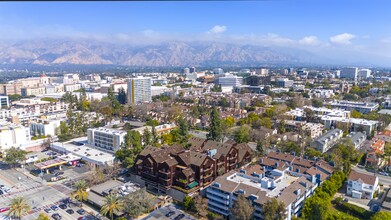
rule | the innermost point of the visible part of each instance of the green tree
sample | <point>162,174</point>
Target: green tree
<point>215,129</point>
<point>80,193</point>
<point>43,216</point>
<point>155,137</point>
<point>241,209</point>
<point>282,126</point>
<point>183,130</point>
<point>274,210</point>
<point>381,216</point>
<point>216,88</point>
<point>14,156</point>
<point>242,135</point>
<point>317,103</point>
<point>266,122</point>
<point>229,122</point>
<point>137,203</point>
<point>122,96</point>
<point>147,137</point>
<point>260,149</point>
<point>188,203</point>
<point>112,203</point>
<point>18,207</point>
<point>315,208</point>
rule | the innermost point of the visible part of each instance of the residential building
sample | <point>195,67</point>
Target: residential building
<point>4,102</point>
<point>284,82</point>
<point>229,80</point>
<point>12,135</point>
<point>32,91</point>
<point>383,135</point>
<point>349,73</point>
<point>262,72</point>
<point>357,139</point>
<point>105,138</point>
<point>362,186</point>
<point>327,140</point>
<point>12,88</point>
<point>71,78</point>
<point>260,183</point>
<point>350,124</point>
<point>322,93</point>
<point>377,146</point>
<point>71,87</point>
<point>45,127</point>
<point>160,129</point>
<point>139,90</point>
<point>362,107</point>
<point>163,168</point>
<point>364,73</point>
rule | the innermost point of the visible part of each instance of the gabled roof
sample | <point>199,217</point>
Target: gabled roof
<point>302,162</point>
<point>281,156</point>
<point>365,178</point>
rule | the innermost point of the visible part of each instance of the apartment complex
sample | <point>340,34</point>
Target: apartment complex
<point>357,139</point>
<point>13,135</point>
<point>105,138</point>
<point>349,73</point>
<point>163,168</point>
<point>362,186</point>
<point>287,178</point>
<point>327,140</point>
<point>362,107</point>
<point>139,90</point>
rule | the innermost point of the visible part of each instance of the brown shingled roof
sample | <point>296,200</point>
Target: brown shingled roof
<point>281,156</point>
<point>368,179</point>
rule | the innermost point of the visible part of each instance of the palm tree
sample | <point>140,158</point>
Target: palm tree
<point>112,203</point>
<point>80,193</point>
<point>43,216</point>
<point>18,207</point>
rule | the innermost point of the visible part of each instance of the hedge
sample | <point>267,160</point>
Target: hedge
<point>354,210</point>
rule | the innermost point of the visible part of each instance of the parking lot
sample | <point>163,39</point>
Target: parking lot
<point>162,213</point>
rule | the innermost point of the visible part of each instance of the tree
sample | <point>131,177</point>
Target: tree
<point>216,88</point>
<point>317,103</point>
<point>201,206</point>
<point>14,156</point>
<point>130,148</point>
<point>266,122</point>
<point>315,208</point>
<point>18,207</point>
<point>183,131</point>
<point>215,130</point>
<point>188,203</point>
<point>122,95</point>
<point>155,137</point>
<point>229,122</point>
<point>43,216</point>
<point>111,203</point>
<point>381,216</point>
<point>241,209</point>
<point>274,210</point>
<point>138,202</point>
<point>242,135</point>
<point>147,137</point>
<point>282,126</point>
<point>260,150</point>
<point>80,193</point>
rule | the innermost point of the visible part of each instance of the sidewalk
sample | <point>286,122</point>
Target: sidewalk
<point>360,205</point>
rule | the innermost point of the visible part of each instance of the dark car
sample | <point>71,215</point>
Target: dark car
<point>170,213</point>
<point>70,211</point>
<point>54,207</point>
<point>81,211</point>
<point>56,216</point>
<point>63,206</point>
<point>47,210</point>
<point>180,216</point>
<point>59,173</point>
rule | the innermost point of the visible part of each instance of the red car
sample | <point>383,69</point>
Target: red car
<point>4,209</point>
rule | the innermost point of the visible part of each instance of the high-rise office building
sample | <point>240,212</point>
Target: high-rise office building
<point>139,90</point>
<point>349,73</point>
<point>364,73</point>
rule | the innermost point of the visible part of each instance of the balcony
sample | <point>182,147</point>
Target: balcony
<point>217,205</point>
<point>213,198</point>
<point>214,192</point>
<point>164,171</point>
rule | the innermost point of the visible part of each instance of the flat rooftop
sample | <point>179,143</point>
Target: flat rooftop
<point>286,180</point>
<point>85,152</point>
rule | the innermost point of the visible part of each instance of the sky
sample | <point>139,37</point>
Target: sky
<point>331,27</point>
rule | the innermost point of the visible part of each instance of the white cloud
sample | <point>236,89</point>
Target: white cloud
<point>309,40</point>
<point>218,29</point>
<point>344,38</point>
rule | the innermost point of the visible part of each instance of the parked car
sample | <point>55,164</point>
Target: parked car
<point>376,208</point>
<point>63,206</point>
<point>70,211</point>
<point>81,211</point>
<point>47,210</point>
<point>56,216</point>
<point>4,209</point>
<point>54,207</point>
<point>59,173</point>
<point>180,216</point>
<point>170,213</point>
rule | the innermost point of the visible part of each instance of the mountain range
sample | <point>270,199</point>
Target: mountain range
<point>167,54</point>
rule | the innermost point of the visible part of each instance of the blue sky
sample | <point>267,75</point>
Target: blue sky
<point>334,26</point>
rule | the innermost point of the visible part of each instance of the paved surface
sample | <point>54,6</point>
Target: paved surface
<point>385,180</point>
<point>161,214</point>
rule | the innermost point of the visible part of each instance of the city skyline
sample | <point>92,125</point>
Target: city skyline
<point>337,29</point>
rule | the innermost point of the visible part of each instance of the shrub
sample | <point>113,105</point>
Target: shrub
<point>354,210</point>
